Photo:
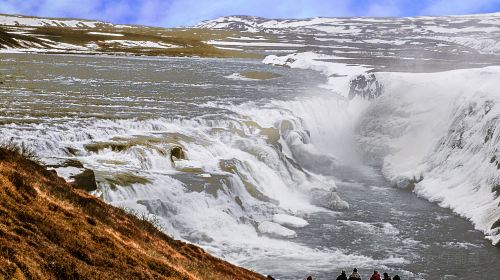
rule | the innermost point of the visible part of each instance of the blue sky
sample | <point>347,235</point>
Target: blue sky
<point>171,13</point>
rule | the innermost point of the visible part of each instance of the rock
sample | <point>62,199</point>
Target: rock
<point>366,86</point>
<point>177,153</point>
<point>276,230</point>
<point>328,199</point>
<point>290,221</point>
<point>85,180</point>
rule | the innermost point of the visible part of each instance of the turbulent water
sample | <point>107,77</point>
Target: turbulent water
<point>254,148</point>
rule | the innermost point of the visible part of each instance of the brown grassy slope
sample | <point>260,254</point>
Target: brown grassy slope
<point>189,42</point>
<point>49,230</point>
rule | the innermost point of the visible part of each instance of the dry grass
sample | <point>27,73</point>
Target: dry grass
<point>190,42</point>
<point>49,230</point>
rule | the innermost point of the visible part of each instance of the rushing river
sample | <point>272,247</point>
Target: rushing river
<point>254,148</point>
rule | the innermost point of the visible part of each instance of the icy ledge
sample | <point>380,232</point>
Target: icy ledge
<point>435,133</point>
<point>439,134</point>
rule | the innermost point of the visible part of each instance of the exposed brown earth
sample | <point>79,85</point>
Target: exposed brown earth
<point>51,230</point>
<point>105,39</point>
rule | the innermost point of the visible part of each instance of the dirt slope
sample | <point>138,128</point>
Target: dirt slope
<point>49,230</point>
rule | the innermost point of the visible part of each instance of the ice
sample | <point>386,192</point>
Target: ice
<point>289,221</point>
<point>275,229</point>
<point>440,137</point>
<point>339,73</point>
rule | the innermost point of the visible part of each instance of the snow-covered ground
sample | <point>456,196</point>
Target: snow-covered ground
<point>140,44</point>
<point>481,33</point>
<point>14,20</point>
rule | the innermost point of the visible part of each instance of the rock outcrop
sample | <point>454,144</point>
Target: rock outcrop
<point>366,86</point>
<point>85,180</point>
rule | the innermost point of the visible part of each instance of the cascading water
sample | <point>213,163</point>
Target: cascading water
<point>272,175</point>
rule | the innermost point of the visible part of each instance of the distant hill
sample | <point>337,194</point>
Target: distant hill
<point>50,35</point>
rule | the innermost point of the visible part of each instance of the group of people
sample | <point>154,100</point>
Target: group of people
<point>355,276</point>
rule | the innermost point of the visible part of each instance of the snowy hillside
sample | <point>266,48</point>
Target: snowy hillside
<point>454,34</point>
<point>49,35</point>
<point>15,20</point>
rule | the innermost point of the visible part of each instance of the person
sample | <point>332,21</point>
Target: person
<point>396,277</point>
<point>375,276</point>
<point>309,277</point>
<point>269,277</point>
<point>342,276</point>
<point>355,275</point>
<point>386,276</point>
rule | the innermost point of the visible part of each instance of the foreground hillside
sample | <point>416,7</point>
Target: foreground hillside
<point>49,230</point>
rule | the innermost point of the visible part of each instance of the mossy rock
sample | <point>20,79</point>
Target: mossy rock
<point>125,180</point>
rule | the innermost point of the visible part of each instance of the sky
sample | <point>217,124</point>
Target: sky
<point>171,13</point>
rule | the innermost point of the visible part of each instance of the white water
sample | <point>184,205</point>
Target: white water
<point>247,157</point>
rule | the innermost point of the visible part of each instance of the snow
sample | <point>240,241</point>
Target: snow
<point>68,172</point>
<point>253,44</point>
<point>15,20</point>
<point>275,229</point>
<point>339,73</point>
<point>443,133</point>
<point>480,32</point>
<point>142,44</point>
<point>446,29</point>
<point>380,41</point>
<point>243,38</point>
<point>483,45</point>
<point>106,34</point>
<point>289,221</point>
<point>441,136</point>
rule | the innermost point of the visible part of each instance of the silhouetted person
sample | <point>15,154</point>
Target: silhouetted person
<point>386,276</point>
<point>342,276</point>
<point>270,277</point>
<point>309,277</point>
<point>396,277</point>
<point>355,275</point>
<point>375,276</point>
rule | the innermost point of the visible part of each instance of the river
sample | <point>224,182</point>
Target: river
<point>254,148</point>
